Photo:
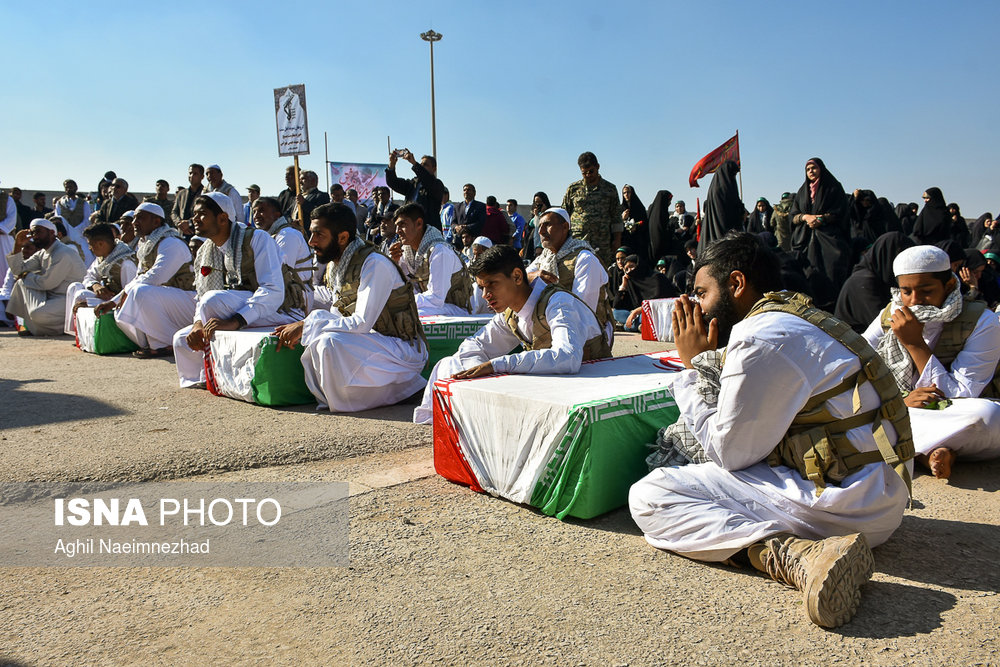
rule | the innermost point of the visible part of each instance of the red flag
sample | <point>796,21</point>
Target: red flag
<point>708,164</point>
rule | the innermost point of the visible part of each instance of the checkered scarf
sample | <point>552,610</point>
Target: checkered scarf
<point>676,445</point>
<point>146,244</point>
<point>340,266</point>
<point>892,351</point>
<point>104,266</point>
<point>549,261</point>
<point>220,268</point>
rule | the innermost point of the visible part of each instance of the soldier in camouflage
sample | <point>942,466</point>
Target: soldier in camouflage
<point>594,209</point>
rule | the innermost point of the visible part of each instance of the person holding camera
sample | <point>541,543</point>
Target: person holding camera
<point>425,188</point>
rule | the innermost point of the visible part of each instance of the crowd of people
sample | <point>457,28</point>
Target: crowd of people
<point>797,484</point>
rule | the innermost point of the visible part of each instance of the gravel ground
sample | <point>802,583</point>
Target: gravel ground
<point>438,574</point>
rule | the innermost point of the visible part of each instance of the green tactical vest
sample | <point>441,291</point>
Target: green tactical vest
<point>541,333</point>
<point>183,279</point>
<point>953,337</point>
<point>114,280</point>
<point>460,292</point>
<point>567,273</point>
<point>74,217</point>
<point>399,317</point>
<point>816,443</point>
<point>295,289</point>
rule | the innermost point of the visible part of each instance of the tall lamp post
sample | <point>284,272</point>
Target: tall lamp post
<point>431,37</point>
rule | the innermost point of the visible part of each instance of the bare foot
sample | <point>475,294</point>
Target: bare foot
<point>940,461</point>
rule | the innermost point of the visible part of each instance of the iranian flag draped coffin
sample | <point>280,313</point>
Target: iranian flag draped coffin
<point>100,335</point>
<point>249,366</point>
<point>569,445</point>
<point>444,335</point>
<point>656,314</point>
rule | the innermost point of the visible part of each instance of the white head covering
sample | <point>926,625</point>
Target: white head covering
<point>128,214</point>
<point>224,202</point>
<point>483,241</point>
<point>559,211</point>
<point>43,223</point>
<point>150,207</point>
<point>921,259</point>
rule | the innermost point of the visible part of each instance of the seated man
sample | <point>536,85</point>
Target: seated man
<point>556,329</point>
<point>239,284</point>
<point>296,260</point>
<point>160,299</point>
<point>368,349</point>
<point>432,265</point>
<point>572,264</point>
<point>788,420</point>
<point>112,269</point>
<point>943,352</point>
<point>39,292</point>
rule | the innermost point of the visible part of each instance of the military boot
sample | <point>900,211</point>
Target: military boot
<point>829,573</point>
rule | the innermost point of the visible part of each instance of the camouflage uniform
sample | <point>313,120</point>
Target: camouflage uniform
<point>782,228</point>
<point>595,215</point>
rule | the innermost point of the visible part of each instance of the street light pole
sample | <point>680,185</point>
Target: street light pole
<point>430,36</point>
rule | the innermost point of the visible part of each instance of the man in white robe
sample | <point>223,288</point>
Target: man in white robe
<point>432,264</point>
<point>572,264</point>
<point>160,299</point>
<point>75,212</point>
<point>231,295</point>
<point>809,533</point>
<point>8,223</point>
<point>368,350</point>
<point>112,269</point>
<point>949,419</point>
<point>39,293</point>
<point>292,247</point>
<point>572,330</point>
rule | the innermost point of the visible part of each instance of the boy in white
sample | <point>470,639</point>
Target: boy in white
<point>943,351</point>
<point>557,330</point>
<point>113,268</point>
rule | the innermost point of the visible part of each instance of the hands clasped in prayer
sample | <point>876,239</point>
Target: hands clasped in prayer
<point>691,334</point>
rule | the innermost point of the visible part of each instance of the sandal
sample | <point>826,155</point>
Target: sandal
<point>147,353</point>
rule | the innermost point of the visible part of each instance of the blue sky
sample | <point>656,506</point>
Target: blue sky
<point>894,96</point>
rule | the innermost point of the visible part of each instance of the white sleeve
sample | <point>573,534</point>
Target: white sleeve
<point>491,342</point>
<point>295,253</point>
<point>444,262</point>
<point>91,276</point>
<point>270,292</point>
<point>10,217</point>
<point>234,195</point>
<point>572,324</point>
<point>171,255</point>
<point>378,279</point>
<point>128,271</point>
<point>973,368</point>
<point>873,334</point>
<point>747,423</point>
<point>589,276</point>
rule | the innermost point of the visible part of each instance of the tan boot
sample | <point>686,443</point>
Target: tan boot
<point>829,573</point>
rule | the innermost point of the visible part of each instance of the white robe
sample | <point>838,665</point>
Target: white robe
<point>588,278</point>
<point>774,363</point>
<point>152,313</point>
<point>444,262</point>
<point>349,367</point>
<point>75,234</point>
<point>81,291</point>
<point>258,308</point>
<point>7,224</point>
<point>572,324</point>
<point>294,252</point>
<point>40,297</point>
<point>970,426</point>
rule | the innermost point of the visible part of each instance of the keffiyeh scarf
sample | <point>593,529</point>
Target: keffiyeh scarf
<point>221,268</point>
<point>340,266</point>
<point>118,253</point>
<point>146,245</point>
<point>549,261</point>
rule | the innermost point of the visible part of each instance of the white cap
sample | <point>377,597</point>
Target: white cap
<point>42,222</point>
<point>150,207</point>
<point>483,241</point>
<point>224,202</point>
<point>921,259</point>
<point>129,214</point>
<point>561,212</point>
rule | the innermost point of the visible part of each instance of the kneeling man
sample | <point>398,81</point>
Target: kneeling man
<point>238,281</point>
<point>368,349</point>
<point>797,424</point>
<point>943,351</point>
<point>557,330</point>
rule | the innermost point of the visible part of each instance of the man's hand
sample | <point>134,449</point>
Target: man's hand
<point>396,251</point>
<point>968,277</point>
<point>300,199</point>
<point>393,158</point>
<point>408,156</point>
<point>921,397</point>
<point>690,334</point>
<point>196,338</point>
<point>102,292</point>
<point>21,239</point>
<point>81,304</point>
<point>631,317</point>
<point>185,228</point>
<point>908,329</point>
<point>215,324</point>
<point>289,335</point>
<point>475,371</point>
<point>108,306</point>
<point>548,278</point>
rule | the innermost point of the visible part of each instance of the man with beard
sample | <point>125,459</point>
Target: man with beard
<point>573,265</point>
<point>238,281</point>
<point>368,349</point>
<point>555,328</point>
<point>594,210</point>
<point>433,266</point>
<point>794,483</point>
<point>39,294</point>
<point>183,208</point>
<point>75,212</point>
<point>113,268</point>
<point>160,299</point>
